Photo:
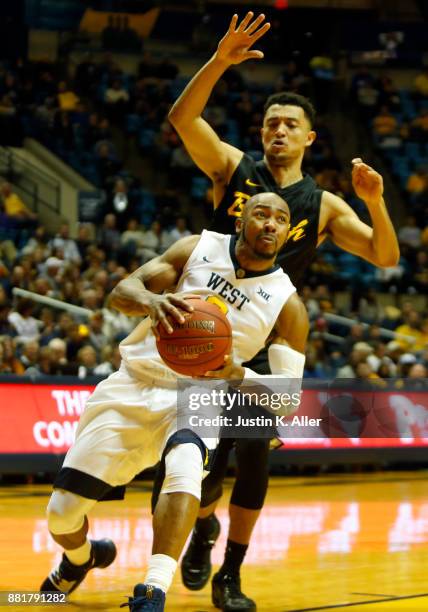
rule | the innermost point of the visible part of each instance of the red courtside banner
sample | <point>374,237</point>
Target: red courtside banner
<point>42,418</point>
<point>39,418</point>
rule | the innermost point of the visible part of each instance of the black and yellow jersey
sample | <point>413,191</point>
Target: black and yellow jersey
<point>303,199</point>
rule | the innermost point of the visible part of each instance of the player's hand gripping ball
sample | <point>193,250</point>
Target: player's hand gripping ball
<point>200,343</point>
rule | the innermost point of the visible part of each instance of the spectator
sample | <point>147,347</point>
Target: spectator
<point>384,124</point>
<point>52,271</point>
<point>120,203</point>
<point>111,359</point>
<point>356,334</point>
<point>67,245</point>
<point>417,370</point>
<point>8,251</point>
<point>313,367</point>
<point>388,94</point>
<point>97,338</point>
<point>39,240</point>
<point>421,272</point>
<point>76,338</point>
<point>4,366</point>
<point>27,328</point>
<point>44,365</point>
<point>106,163</point>
<point>421,84</point>
<point>132,240</point>
<point>180,230</point>
<point>109,235</point>
<point>10,358</point>
<point>87,361</point>
<point>359,354</point>
<point>96,258</point>
<point>394,350</point>
<point>368,307</point>
<point>46,113</point>
<point>116,98</point>
<point>47,322</point>
<point>152,241</point>
<point>116,325</point>
<point>378,357</point>
<point>13,205</point>
<point>410,330</point>
<point>58,351</point>
<point>410,234</point>
<point>67,99</point>
<point>6,327</point>
<point>417,181</point>
<point>30,354</point>
<point>419,126</point>
<point>365,92</point>
<point>83,239</point>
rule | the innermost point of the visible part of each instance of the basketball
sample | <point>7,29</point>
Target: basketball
<point>200,343</point>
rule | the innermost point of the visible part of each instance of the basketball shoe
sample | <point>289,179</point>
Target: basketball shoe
<point>227,594</point>
<point>196,563</point>
<point>146,597</point>
<point>67,576</point>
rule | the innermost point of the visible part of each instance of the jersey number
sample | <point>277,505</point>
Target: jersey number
<point>236,209</point>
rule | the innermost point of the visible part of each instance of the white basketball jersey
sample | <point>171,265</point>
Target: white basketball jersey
<point>253,300</point>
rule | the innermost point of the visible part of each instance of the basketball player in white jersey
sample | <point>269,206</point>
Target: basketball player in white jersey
<point>130,420</point>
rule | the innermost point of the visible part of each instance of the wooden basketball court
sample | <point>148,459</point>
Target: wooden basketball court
<point>357,542</point>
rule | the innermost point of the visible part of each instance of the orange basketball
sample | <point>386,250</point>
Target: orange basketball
<point>200,343</point>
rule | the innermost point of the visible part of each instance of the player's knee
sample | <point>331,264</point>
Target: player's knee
<point>252,455</point>
<point>64,513</point>
<point>183,470</point>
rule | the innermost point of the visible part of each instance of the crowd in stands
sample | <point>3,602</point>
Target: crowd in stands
<point>398,119</point>
<point>77,120</point>
<point>37,340</point>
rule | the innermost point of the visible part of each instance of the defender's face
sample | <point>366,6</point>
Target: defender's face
<point>265,227</point>
<point>286,132</point>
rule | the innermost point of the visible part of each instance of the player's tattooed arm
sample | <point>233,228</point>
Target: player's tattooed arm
<point>139,293</point>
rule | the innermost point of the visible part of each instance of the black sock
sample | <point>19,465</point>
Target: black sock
<point>233,558</point>
<point>207,527</point>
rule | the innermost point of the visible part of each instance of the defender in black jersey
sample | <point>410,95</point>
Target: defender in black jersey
<point>315,215</point>
<point>303,198</point>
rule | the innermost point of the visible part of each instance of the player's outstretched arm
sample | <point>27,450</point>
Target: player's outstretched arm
<point>214,157</point>
<point>377,244</point>
<point>138,294</point>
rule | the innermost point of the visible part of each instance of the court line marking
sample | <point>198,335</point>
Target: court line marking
<point>374,595</point>
<point>23,494</point>
<point>358,603</point>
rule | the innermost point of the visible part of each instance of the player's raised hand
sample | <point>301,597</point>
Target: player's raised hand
<point>169,307</point>
<point>235,46</point>
<point>367,183</point>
